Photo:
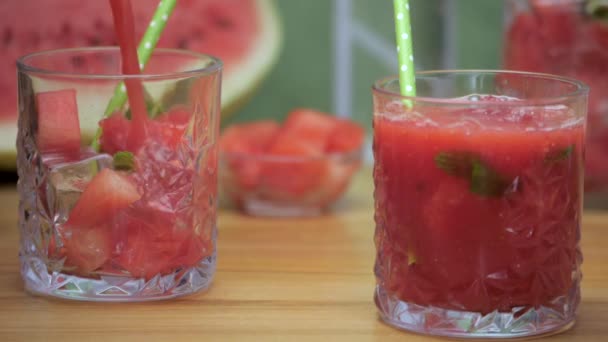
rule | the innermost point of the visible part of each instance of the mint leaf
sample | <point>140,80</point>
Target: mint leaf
<point>597,9</point>
<point>487,182</point>
<point>124,161</point>
<point>455,163</point>
<point>559,155</point>
<point>483,180</point>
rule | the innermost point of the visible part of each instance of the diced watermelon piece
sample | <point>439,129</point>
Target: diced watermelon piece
<point>115,131</point>
<point>151,244</point>
<point>142,252</point>
<point>107,193</point>
<point>249,138</point>
<point>87,248</point>
<point>240,144</point>
<point>179,116</point>
<point>298,169</point>
<point>169,128</point>
<point>347,136</point>
<point>58,124</point>
<point>310,125</point>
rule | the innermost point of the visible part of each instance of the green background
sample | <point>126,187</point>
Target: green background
<point>304,73</point>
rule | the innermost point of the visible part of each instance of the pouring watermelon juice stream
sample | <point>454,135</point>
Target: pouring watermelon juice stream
<point>116,226</point>
<point>125,31</point>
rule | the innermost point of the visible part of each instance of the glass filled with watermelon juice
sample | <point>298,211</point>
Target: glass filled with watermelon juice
<point>570,38</point>
<point>478,196</point>
<point>119,204</point>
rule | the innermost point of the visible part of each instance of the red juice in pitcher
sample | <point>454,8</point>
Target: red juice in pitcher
<point>570,38</point>
<point>478,206</point>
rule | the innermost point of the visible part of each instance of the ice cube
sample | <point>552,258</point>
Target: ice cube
<point>67,180</point>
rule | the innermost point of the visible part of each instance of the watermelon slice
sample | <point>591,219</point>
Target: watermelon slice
<point>58,125</point>
<point>244,34</point>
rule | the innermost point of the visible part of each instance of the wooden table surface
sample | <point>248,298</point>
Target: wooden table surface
<point>277,280</point>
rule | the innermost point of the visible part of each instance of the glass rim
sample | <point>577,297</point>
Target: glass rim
<point>581,88</point>
<point>214,67</point>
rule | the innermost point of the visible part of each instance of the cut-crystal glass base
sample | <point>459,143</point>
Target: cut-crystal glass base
<point>115,288</point>
<point>520,322</point>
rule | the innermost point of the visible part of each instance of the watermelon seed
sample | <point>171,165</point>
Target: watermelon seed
<point>197,34</point>
<point>94,41</point>
<point>66,29</point>
<point>421,187</point>
<point>7,37</point>
<point>78,61</point>
<point>223,23</point>
<point>35,38</point>
<point>99,25</point>
<point>183,43</point>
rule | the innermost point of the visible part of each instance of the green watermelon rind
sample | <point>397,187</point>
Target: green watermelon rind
<point>244,78</point>
<point>238,86</point>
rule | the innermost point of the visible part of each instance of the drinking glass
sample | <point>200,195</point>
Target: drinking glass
<point>478,202</point>
<point>116,206</point>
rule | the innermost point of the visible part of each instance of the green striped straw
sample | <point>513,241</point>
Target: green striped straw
<point>403,30</point>
<point>144,52</point>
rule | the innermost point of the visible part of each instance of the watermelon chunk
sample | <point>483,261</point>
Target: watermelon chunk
<point>250,138</point>
<point>311,126</point>
<point>87,248</point>
<point>151,244</point>
<point>58,124</point>
<point>170,127</point>
<point>115,131</point>
<point>298,169</point>
<point>346,136</point>
<point>107,193</point>
<point>241,144</point>
<point>167,129</point>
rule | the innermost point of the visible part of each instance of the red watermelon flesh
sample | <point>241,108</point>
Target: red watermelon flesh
<point>58,125</point>
<point>223,28</point>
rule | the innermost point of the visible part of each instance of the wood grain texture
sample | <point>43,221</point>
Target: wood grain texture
<point>277,280</point>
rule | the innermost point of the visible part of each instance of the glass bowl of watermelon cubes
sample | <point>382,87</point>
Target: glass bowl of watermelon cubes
<point>298,168</point>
